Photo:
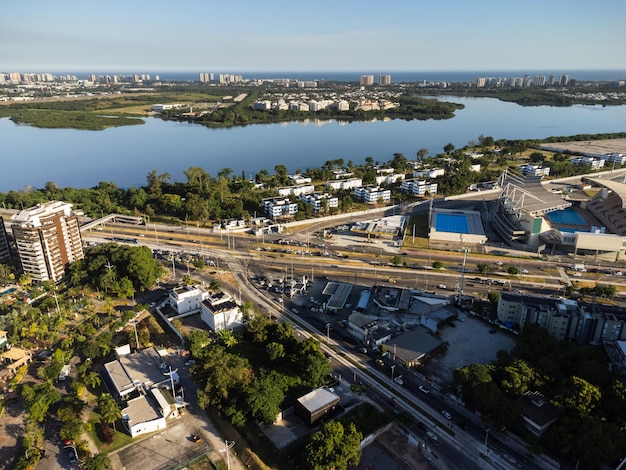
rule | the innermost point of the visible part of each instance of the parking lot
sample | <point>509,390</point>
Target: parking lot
<point>469,342</point>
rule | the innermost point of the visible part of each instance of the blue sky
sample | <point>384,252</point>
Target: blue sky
<point>319,35</point>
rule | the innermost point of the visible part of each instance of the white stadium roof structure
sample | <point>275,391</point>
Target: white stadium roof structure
<point>527,194</point>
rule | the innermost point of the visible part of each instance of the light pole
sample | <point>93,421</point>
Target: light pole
<point>229,445</point>
<point>328,331</point>
<point>393,368</point>
<point>487,437</point>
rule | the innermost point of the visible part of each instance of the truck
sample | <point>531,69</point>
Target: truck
<point>579,267</point>
<point>65,372</point>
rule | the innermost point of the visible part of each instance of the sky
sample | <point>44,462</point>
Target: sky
<point>320,35</point>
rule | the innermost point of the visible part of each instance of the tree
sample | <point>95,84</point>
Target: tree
<point>483,268</point>
<point>578,396</point>
<point>438,264</point>
<point>448,148</point>
<point>396,260</point>
<point>265,397</point>
<point>513,270</point>
<point>334,447</point>
<point>109,410</point>
<point>96,462</point>
<point>275,351</point>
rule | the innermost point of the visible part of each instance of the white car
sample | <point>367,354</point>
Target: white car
<point>524,271</point>
<point>424,389</point>
<point>399,380</point>
<point>446,414</point>
<point>190,362</point>
<point>576,275</point>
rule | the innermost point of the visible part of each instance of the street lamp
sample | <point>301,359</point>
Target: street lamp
<point>393,367</point>
<point>229,445</point>
<point>328,331</point>
<point>487,437</point>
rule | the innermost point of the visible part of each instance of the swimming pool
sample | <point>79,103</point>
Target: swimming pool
<point>455,223</point>
<point>566,217</point>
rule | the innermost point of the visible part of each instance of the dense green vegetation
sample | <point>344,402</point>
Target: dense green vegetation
<point>590,400</point>
<point>250,375</point>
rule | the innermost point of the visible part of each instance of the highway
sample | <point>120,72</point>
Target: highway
<point>461,442</point>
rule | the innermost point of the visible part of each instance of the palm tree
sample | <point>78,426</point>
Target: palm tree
<point>109,410</point>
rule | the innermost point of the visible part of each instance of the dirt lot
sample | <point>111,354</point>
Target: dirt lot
<point>391,451</point>
<point>592,146</point>
<point>470,342</point>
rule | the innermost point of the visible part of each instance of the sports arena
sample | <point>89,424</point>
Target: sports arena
<point>455,228</point>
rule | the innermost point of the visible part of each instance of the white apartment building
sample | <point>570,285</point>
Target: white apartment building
<point>429,173</point>
<point>48,239</point>
<point>279,207</point>
<point>342,105</point>
<point>419,187</point>
<point>295,190</point>
<point>372,194</point>
<point>316,200</point>
<point>350,183</point>
<point>594,162</point>
<point>342,174</point>
<point>221,312</point>
<point>535,170</point>
<point>615,157</point>
<point>390,178</point>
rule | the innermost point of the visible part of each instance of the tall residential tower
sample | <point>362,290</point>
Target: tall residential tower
<point>48,239</point>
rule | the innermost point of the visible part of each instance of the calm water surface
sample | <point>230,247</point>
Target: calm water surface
<point>125,155</point>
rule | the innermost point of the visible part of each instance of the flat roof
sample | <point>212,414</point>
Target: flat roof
<point>141,410</point>
<point>317,399</point>
<point>412,345</point>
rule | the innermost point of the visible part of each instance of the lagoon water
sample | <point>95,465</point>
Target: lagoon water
<point>125,155</point>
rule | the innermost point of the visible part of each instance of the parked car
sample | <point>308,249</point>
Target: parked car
<point>424,389</point>
<point>446,414</point>
<point>399,380</point>
<point>190,362</point>
<point>380,362</point>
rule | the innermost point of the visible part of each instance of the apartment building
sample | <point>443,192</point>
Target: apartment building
<point>366,80</point>
<point>419,187</point>
<point>48,239</point>
<point>349,183</point>
<point>295,190</point>
<point>564,319</point>
<point>5,253</point>
<point>429,173</point>
<point>372,194</point>
<point>384,80</point>
<point>318,200</point>
<point>279,207</point>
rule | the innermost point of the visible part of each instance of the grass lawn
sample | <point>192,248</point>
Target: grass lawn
<point>120,439</point>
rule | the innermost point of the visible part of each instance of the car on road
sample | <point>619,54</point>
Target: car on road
<point>441,286</point>
<point>380,362</point>
<point>524,271</point>
<point>190,362</point>
<point>433,437</point>
<point>71,454</point>
<point>399,380</point>
<point>446,414</point>
<point>424,389</point>
<point>576,275</point>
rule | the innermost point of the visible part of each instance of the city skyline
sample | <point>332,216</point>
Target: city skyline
<point>346,36</point>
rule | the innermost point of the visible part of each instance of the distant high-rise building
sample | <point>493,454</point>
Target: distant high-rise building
<point>540,80</point>
<point>384,80</point>
<point>5,252</point>
<point>48,239</point>
<point>480,82</point>
<point>564,80</point>
<point>551,80</point>
<point>366,80</point>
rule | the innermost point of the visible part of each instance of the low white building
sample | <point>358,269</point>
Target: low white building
<point>295,190</point>
<point>429,173</point>
<point>316,200</point>
<point>142,416</point>
<point>372,194</point>
<point>419,187</point>
<point>593,161</point>
<point>535,170</point>
<point>280,207</point>
<point>187,299</point>
<point>221,312</point>
<point>299,179</point>
<point>390,178</point>
<point>346,184</point>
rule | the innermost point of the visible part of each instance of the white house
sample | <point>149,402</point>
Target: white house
<point>593,161</point>
<point>299,179</point>
<point>389,178</point>
<point>535,170</point>
<point>220,312</point>
<point>187,299</point>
